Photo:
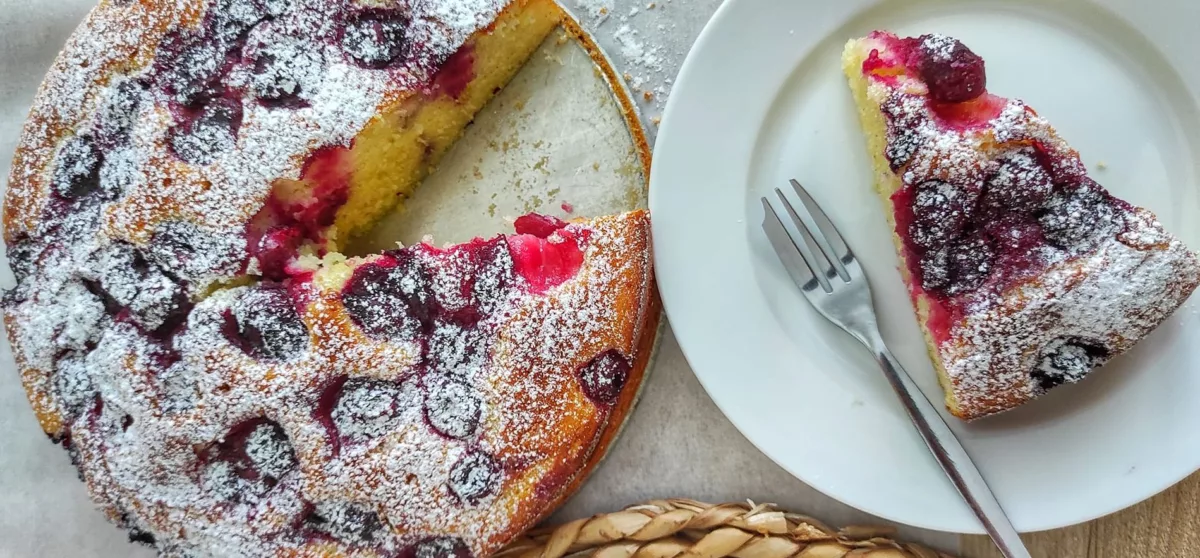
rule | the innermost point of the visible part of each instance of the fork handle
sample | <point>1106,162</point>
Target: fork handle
<point>950,455</point>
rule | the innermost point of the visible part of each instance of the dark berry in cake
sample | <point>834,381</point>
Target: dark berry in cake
<point>367,409</point>
<point>603,377</point>
<point>76,391</point>
<point>475,476</point>
<point>375,38</point>
<point>452,407</point>
<point>1078,217</point>
<point>190,68</point>
<point>77,167</point>
<point>22,256</point>
<point>970,263</point>
<point>1020,183</point>
<point>249,460</point>
<point>953,73</point>
<point>390,297</point>
<point>493,274</point>
<point>128,282</point>
<point>267,324</point>
<point>905,135</point>
<point>346,522</point>
<point>935,269</point>
<point>284,70</point>
<point>454,350</point>
<point>118,113</point>
<point>138,536</point>
<point>940,210</point>
<point>232,19</point>
<point>440,547</point>
<point>1067,360</point>
<point>205,133</point>
<point>193,253</point>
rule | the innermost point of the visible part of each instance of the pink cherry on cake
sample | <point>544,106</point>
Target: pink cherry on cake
<point>545,261</point>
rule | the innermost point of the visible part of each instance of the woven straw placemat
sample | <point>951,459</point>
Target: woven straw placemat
<point>687,528</point>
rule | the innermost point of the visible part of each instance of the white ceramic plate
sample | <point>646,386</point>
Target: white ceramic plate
<point>761,99</point>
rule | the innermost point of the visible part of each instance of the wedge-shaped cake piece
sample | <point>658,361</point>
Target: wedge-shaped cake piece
<point>1025,273</point>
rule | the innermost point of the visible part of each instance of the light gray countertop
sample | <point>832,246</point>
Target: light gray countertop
<point>677,443</point>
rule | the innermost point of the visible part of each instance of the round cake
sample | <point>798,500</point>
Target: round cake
<point>229,383</point>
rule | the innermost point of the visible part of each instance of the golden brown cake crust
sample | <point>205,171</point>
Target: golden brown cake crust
<point>1065,292</point>
<point>213,410</point>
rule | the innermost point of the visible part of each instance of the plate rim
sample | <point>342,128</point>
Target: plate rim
<point>666,136</point>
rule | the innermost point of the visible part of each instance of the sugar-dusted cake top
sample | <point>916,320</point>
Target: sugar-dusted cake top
<point>1032,272</point>
<point>172,119</point>
<point>221,397</point>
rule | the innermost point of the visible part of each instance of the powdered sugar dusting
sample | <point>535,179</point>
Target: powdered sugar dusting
<point>261,419</point>
<point>1055,278</point>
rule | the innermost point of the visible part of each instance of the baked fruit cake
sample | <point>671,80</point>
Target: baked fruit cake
<point>227,382</point>
<point>1025,273</point>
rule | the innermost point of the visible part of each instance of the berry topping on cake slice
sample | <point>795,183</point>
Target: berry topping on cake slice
<point>1026,274</point>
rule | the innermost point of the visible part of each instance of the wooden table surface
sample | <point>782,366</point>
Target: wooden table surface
<point>1167,525</point>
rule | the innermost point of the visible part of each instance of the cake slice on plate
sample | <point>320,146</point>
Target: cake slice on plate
<point>1025,273</point>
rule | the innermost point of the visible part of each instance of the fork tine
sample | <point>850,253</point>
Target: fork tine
<point>791,256</point>
<point>841,251</point>
<point>817,258</point>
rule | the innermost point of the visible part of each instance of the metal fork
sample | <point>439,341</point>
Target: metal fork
<point>832,280</point>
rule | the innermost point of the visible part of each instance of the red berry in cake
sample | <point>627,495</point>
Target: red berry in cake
<point>536,224</point>
<point>1020,183</point>
<point>266,324</point>
<point>952,72</point>
<point>206,133</point>
<point>77,167</point>
<point>1013,233</point>
<point>389,298</point>
<point>452,407</point>
<point>276,249</point>
<point>1067,360</point>
<point>375,38</point>
<point>603,377</point>
<point>441,547</point>
<point>1078,217</point>
<point>367,409</point>
<point>475,476</point>
<point>940,211</point>
<point>345,522</point>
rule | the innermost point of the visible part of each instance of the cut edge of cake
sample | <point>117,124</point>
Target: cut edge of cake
<point>885,184</point>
